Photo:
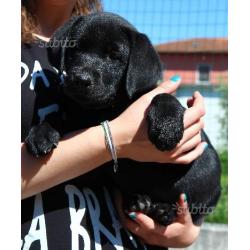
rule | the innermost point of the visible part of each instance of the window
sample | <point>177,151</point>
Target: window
<point>203,73</point>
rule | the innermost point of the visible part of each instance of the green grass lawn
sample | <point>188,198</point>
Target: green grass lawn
<point>221,211</point>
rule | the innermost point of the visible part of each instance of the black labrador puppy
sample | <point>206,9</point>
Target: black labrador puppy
<point>110,66</point>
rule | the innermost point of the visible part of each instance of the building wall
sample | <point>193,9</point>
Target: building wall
<point>186,66</point>
<point>212,97</point>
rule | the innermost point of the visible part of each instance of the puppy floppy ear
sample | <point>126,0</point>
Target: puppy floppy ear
<point>59,42</point>
<point>144,67</point>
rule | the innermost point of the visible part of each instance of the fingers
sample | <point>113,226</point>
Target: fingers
<point>155,234</point>
<point>132,226</point>
<point>169,87</point>
<point>190,101</point>
<point>187,158</point>
<point>144,221</point>
<point>187,146</point>
<point>183,214</point>
<point>129,224</point>
<point>138,223</point>
<point>191,131</point>
<point>198,98</point>
<point>195,112</point>
<point>148,230</point>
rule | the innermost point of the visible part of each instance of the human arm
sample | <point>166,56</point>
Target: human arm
<point>81,152</point>
<point>76,154</point>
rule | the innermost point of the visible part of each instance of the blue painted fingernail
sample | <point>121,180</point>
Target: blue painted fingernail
<point>185,197</point>
<point>205,146</point>
<point>132,215</point>
<point>175,78</point>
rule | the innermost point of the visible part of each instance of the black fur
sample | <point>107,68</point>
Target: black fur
<point>165,120</point>
<point>111,65</point>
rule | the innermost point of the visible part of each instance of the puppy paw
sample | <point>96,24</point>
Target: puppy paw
<point>163,213</point>
<point>165,121</point>
<point>42,139</point>
<point>137,203</point>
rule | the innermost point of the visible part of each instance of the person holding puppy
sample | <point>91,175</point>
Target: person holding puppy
<point>66,204</point>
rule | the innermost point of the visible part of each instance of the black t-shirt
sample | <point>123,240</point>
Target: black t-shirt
<point>77,214</point>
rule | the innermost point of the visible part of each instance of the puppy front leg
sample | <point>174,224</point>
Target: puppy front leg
<point>165,121</point>
<point>163,213</point>
<point>42,139</point>
<point>137,203</point>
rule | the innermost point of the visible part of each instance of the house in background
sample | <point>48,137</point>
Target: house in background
<point>198,61</point>
<point>202,64</point>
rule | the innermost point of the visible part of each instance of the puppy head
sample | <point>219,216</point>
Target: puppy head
<point>109,57</point>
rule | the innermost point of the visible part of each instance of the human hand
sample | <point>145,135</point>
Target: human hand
<point>130,135</point>
<point>180,234</point>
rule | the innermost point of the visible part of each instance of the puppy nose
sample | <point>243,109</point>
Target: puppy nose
<point>85,80</point>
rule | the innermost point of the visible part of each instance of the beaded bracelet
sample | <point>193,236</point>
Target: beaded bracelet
<point>110,144</point>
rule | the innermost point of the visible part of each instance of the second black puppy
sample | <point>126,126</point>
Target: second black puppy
<point>110,66</point>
